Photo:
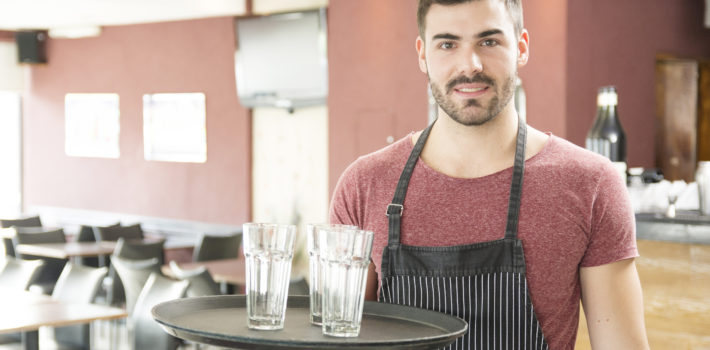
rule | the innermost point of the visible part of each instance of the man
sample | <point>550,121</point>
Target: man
<point>457,229</point>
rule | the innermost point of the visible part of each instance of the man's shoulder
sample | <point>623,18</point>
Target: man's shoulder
<point>566,154</point>
<point>383,160</point>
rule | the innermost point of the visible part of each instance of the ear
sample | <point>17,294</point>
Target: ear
<point>523,48</point>
<point>421,53</point>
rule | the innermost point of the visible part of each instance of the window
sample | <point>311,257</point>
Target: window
<point>174,127</point>
<point>91,125</point>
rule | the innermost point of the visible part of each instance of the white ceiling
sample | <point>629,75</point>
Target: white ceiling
<point>48,14</point>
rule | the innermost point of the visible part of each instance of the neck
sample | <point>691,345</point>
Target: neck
<point>472,151</point>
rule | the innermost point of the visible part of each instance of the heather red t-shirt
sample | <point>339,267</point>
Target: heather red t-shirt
<point>575,212</point>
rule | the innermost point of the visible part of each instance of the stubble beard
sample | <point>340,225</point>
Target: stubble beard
<point>478,116</point>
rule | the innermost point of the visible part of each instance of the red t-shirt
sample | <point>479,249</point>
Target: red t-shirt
<point>575,212</point>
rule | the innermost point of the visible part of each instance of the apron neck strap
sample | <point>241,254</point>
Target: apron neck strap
<point>396,208</point>
<point>516,184</point>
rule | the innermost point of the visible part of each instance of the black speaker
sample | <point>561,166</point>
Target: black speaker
<point>30,46</point>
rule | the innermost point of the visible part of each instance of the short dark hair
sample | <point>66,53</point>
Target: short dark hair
<point>514,7</point>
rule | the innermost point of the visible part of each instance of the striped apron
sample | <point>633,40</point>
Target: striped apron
<point>482,283</point>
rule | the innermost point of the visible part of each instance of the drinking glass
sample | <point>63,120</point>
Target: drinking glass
<point>345,257</point>
<point>315,284</point>
<point>268,249</point>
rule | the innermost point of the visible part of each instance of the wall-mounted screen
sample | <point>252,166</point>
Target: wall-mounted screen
<point>281,60</point>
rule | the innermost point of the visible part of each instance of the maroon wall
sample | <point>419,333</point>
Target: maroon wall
<point>376,91</point>
<point>544,77</point>
<point>376,88</point>
<point>186,56</point>
<point>614,42</point>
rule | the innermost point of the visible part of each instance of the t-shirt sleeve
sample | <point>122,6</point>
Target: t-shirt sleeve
<point>344,204</point>
<point>612,235</point>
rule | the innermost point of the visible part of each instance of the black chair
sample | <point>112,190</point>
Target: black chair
<point>147,334</point>
<point>78,284</point>
<point>139,250</point>
<point>213,247</point>
<point>53,267</point>
<point>18,274</point>
<point>86,234</point>
<point>132,250</point>
<point>113,233</point>
<point>133,275</point>
<point>33,221</point>
<point>298,286</point>
<point>201,282</point>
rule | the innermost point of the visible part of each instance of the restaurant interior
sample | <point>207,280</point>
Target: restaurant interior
<point>275,99</point>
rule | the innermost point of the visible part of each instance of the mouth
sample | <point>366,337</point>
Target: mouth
<point>470,91</point>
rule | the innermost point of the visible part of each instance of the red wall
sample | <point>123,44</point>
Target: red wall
<point>614,42</point>
<point>376,91</point>
<point>544,77</point>
<point>376,88</point>
<point>187,56</point>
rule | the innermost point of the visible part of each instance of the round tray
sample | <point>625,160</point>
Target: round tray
<point>221,320</point>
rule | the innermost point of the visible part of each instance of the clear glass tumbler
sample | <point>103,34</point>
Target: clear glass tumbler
<point>268,249</point>
<point>315,284</point>
<point>344,257</point>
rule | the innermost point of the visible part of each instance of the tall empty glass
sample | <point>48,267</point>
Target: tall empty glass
<point>268,249</point>
<point>345,257</point>
<point>315,283</point>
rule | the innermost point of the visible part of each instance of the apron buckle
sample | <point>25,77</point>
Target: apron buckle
<point>392,209</point>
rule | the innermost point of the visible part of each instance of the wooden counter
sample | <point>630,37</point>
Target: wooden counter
<point>676,287</point>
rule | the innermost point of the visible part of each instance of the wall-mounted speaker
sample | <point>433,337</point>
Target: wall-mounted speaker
<point>31,46</point>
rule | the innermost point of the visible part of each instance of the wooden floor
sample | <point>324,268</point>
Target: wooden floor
<point>676,288</point>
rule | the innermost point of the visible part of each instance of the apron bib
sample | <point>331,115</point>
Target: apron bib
<point>482,283</point>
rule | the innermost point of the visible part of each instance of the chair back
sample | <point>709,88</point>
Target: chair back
<point>139,250</point>
<point>18,274</point>
<point>86,234</point>
<point>77,284</point>
<point>133,275</point>
<point>32,221</point>
<point>113,233</point>
<point>53,267</point>
<point>213,247</point>
<point>147,333</point>
<point>32,235</point>
<point>201,282</point>
<point>298,286</point>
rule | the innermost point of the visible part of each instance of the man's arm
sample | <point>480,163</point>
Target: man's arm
<point>613,304</point>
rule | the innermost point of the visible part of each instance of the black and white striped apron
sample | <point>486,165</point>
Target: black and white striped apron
<point>483,283</point>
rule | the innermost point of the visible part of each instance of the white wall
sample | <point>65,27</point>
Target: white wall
<point>290,171</point>
<point>11,73</point>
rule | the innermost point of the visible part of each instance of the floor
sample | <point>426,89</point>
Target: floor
<point>101,340</point>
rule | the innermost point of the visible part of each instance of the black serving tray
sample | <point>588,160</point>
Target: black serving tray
<point>222,321</point>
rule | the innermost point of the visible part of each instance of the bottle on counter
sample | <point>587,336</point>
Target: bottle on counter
<point>606,136</point>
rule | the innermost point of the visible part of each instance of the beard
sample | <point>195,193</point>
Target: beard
<point>484,112</point>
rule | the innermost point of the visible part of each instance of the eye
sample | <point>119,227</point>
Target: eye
<point>446,45</point>
<point>489,42</point>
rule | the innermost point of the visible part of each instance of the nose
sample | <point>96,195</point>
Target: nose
<point>470,63</point>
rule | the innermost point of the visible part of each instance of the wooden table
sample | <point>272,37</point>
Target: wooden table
<point>67,250</point>
<point>82,249</point>
<point>223,271</point>
<point>25,312</point>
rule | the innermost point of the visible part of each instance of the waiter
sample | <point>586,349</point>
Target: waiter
<point>483,217</point>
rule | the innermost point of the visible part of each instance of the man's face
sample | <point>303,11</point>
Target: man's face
<point>471,56</point>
